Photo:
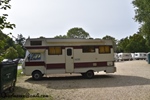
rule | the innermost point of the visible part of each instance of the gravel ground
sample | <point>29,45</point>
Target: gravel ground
<point>130,82</point>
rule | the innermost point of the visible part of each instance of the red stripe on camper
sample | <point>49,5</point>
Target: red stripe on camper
<point>42,63</point>
<point>37,47</point>
<point>62,65</point>
<point>56,66</point>
<point>90,64</point>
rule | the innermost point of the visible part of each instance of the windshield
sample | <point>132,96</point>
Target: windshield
<point>34,56</point>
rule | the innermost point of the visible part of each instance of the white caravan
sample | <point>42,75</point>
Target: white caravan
<point>140,55</point>
<point>116,57</point>
<point>124,56</point>
<point>133,56</point>
<point>58,56</point>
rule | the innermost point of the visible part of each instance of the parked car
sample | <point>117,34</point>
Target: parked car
<point>16,60</point>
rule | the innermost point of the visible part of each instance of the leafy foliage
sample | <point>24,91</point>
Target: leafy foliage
<point>20,39</point>
<point>4,4</point>
<point>7,42</point>
<point>11,53</point>
<point>61,36</point>
<point>142,11</point>
<point>77,33</point>
<point>135,43</point>
<point>122,44</point>
<point>20,51</point>
<point>1,58</point>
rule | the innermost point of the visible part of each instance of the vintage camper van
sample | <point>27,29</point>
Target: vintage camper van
<point>57,56</point>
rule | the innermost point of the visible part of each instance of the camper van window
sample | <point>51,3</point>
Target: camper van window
<point>104,49</point>
<point>34,56</point>
<point>88,49</point>
<point>35,42</point>
<point>55,51</point>
<point>69,52</point>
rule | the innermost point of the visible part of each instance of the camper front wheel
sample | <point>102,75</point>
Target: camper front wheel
<point>37,75</point>
<point>89,74</point>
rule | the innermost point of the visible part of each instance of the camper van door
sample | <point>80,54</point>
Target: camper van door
<point>69,59</point>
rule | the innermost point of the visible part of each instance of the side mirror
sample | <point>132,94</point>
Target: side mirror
<point>28,57</point>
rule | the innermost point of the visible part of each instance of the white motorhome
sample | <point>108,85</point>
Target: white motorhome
<point>140,55</point>
<point>124,56</point>
<point>58,56</point>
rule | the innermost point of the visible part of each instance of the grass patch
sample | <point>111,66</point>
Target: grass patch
<point>19,73</point>
<point>20,64</point>
<point>28,98</point>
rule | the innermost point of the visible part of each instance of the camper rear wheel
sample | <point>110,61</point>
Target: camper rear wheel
<point>89,74</point>
<point>37,75</point>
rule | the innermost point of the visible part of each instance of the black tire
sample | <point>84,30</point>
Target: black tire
<point>37,75</point>
<point>89,74</point>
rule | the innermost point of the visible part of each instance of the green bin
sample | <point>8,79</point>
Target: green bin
<point>8,77</point>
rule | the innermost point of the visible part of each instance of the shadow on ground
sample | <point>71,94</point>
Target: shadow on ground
<point>18,94</point>
<point>99,81</point>
<point>20,90</point>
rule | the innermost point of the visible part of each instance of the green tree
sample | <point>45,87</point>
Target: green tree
<point>4,5</point>
<point>142,11</point>
<point>77,33</point>
<point>5,41</point>
<point>122,44</point>
<point>42,37</point>
<point>137,44</point>
<point>9,43</point>
<point>1,58</point>
<point>20,39</point>
<point>61,36</point>
<point>11,53</point>
<point>1,42</point>
<point>20,51</point>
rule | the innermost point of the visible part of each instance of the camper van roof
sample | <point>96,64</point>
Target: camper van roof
<point>66,39</point>
<point>65,42</point>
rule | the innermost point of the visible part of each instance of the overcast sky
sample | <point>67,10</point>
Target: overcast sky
<point>49,18</point>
